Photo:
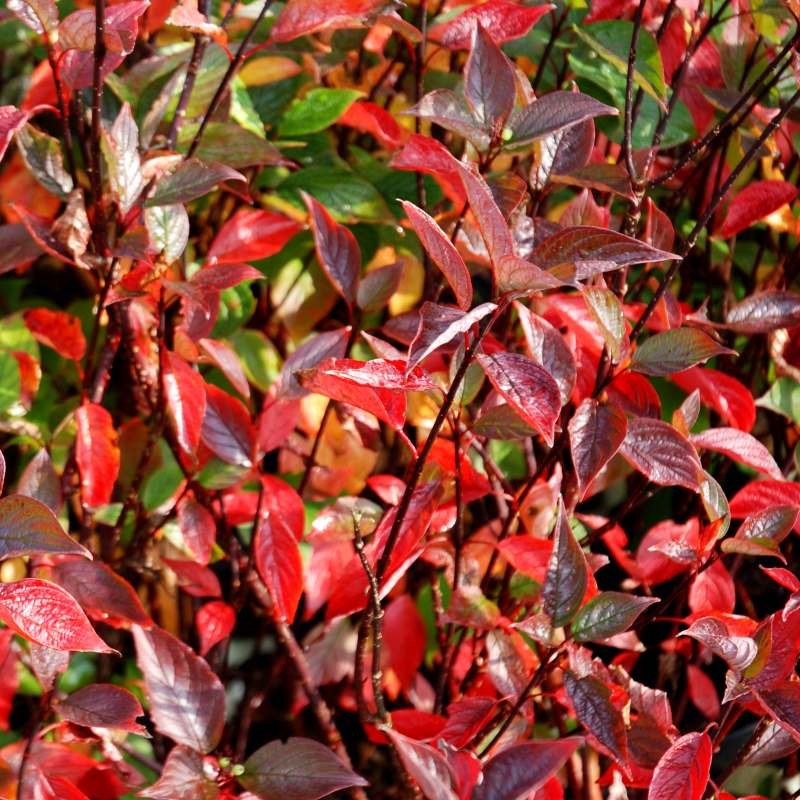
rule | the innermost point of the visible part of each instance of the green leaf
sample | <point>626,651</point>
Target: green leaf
<point>608,614</point>
<point>316,111</point>
<point>783,398</point>
<point>10,383</point>
<point>237,305</point>
<point>260,360</point>
<point>168,227</point>
<point>347,196</point>
<point>229,144</point>
<point>611,39</point>
<point>242,109</point>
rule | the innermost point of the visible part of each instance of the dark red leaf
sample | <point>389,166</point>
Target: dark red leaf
<point>198,528</point>
<point>251,234</point>
<point>404,639</point>
<point>97,454</point>
<point>187,700</point>
<point>215,622</point>
<point>527,387</point>
<point>426,155</point>
<point>493,227</point>
<point>103,595</point>
<point>227,430</point>
<point>442,252</point>
<point>489,83</point>
<point>466,718</point>
<point>426,765</point>
<point>58,330</point>
<point>378,285</point>
<point>595,434</point>
<point>195,579</point>
<point>764,312</point>
<point>756,201</point>
<point>683,771</point>
<point>337,250</point>
<point>567,574</point>
<point>554,112</point>
<point>523,768</point>
<point>591,699</point>
<point>661,454</point>
<point>183,777</point>
<point>192,178</point>
<point>44,613</point>
<point>228,363</point>
<point>103,705</point>
<point>40,481</point>
<point>298,769</point>
<point>223,276</point>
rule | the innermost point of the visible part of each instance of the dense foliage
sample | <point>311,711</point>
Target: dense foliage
<point>399,401</point>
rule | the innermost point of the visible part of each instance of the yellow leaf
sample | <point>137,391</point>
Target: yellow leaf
<point>268,69</point>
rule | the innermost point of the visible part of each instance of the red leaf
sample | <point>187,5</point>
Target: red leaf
<point>185,395</point>
<point>764,312</point>
<point>337,250</point>
<point>11,120</point>
<point>183,777</point>
<point>187,700</point>
<point>28,527</point>
<point>683,771</point>
<point>595,434</point>
<point>282,500</point>
<point>523,768</point>
<point>44,613</point>
<point>9,676</point>
<point>635,394</point>
<point>739,446</point>
<point>404,639</point>
<point>426,155</point>
<point>722,393</point>
<point>426,765</point>
<point>712,590</point>
<point>103,595</point>
<point>197,528</point>
<point>304,17</point>
<point>227,430</point>
<point>58,330</point>
<point>251,234</point>
<point>702,692</point>
<point>279,564</point>
<point>758,496</point>
<point>297,769</point>
<point>466,718</point>
<point>223,276</point>
<point>442,252</point>
<point>97,454</point>
<point>661,454</point>
<point>195,579</point>
<point>503,21</point>
<point>527,554</point>
<point>737,650</point>
<point>214,622</point>
<point>756,201</point>
<point>373,119</point>
<point>103,705</point>
<point>376,386</point>
<point>527,387</point>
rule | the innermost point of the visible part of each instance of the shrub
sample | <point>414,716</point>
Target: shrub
<point>377,396</point>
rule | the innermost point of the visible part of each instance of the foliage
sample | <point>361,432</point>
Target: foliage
<point>399,400</point>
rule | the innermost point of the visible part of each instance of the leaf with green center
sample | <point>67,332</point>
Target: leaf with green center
<point>316,111</point>
<point>608,614</point>
<point>676,350</point>
<point>591,699</point>
<point>29,527</point>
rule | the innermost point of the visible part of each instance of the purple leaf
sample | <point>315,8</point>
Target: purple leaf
<point>567,574</point>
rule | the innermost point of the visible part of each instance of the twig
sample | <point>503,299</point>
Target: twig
<point>96,177</point>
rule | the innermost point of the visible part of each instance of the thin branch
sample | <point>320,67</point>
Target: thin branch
<point>96,177</point>
<point>629,82</point>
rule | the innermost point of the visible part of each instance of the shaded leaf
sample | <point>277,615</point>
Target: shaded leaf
<point>29,527</point>
<point>43,157</point>
<point>765,312</point>
<point>595,434</point>
<point>426,765</point>
<point>489,85</point>
<point>297,769</point>
<point>192,179</point>
<point>187,700</point>
<point>590,698</point>
<point>103,705</point>
<point>183,777</point>
<point>227,430</point>
<point>567,574</point>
